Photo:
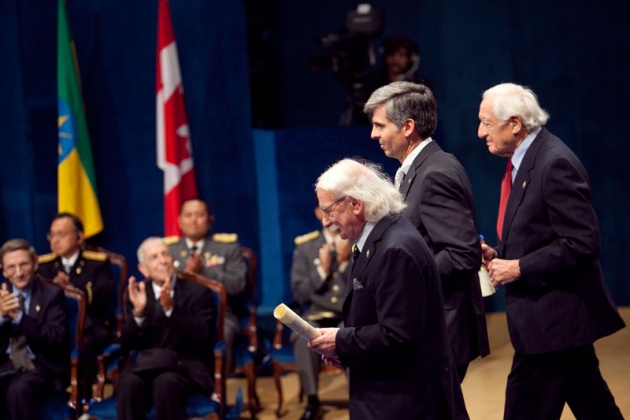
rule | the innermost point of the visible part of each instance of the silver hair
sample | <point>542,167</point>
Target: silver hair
<point>366,182</point>
<point>512,100</point>
<point>403,101</point>
<point>150,239</point>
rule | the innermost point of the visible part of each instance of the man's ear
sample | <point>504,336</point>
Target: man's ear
<point>80,237</point>
<point>409,126</point>
<point>516,124</point>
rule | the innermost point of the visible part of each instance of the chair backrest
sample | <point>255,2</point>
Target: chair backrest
<point>120,275</point>
<point>220,303</point>
<point>252,268</point>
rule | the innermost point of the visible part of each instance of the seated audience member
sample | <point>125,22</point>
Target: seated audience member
<point>216,257</point>
<point>318,277</point>
<point>34,354</point>
<point>171,329</point>
<point>89,271</point>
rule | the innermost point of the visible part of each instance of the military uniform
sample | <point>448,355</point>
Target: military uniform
<point>321,300</point>
<point>221,260</point>
<point>92,274</point>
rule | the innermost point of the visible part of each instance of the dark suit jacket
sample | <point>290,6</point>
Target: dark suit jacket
<point>93,276</point>
<point>440,205</point>
<point>189,331</point>
<point>395,343</point>
<point>45,330</point>
<point>561,300</point>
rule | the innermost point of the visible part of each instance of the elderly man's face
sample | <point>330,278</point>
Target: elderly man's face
<point>19,267</point>
<point>158,263</point>
<point>500,137</point>
<point>344,213</point>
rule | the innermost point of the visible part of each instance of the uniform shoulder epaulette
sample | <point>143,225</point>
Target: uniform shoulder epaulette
<point>170,240</point>
<point>227,238</point>
<point>43,259</point>
<point>307,237</point>
<point>94,255</point>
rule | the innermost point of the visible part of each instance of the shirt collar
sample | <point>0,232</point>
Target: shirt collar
<point>414,154</point>
<point>199,244</point>
<point>519,153</point>
<point>70,261</point>
<point>367,229</point>
<point>157,289</point>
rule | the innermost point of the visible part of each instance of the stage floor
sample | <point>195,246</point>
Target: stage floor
<point>484,386</point>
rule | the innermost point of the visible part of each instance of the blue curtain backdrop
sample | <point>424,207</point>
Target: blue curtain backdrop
<point>573,54</point>
<point>116,45</point>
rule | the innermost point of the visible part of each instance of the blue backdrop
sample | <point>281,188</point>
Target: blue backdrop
<point>573,54</point>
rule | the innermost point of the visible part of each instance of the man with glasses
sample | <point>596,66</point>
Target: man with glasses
<point>70,265</point>
<point>556,301</point>
<point>394,341</point>
<point>34,354</point>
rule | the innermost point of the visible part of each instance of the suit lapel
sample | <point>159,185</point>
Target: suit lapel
<point>521,182</point>
<point>414,169</point>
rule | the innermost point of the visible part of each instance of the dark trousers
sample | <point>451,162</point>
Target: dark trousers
<point>137,393</point>
<point>21,393</point>
<point>539,385</point>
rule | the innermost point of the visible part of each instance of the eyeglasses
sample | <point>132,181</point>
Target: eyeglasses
<point>328,210</point>
<point>52,235</point>
<point>12,269</point>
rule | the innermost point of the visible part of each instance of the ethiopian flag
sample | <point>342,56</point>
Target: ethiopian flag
<point>76,182</point>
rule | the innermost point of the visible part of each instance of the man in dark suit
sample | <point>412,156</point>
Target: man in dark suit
<point>394,340</point>
<point>217,257</point>
<point>69,264</point>
<point>318,278</point>
<point>34,353</point>
<point>557,303</point>
<point>439,204</point>
<point>171,328</point>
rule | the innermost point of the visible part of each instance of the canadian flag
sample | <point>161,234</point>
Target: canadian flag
<point>174,152</point>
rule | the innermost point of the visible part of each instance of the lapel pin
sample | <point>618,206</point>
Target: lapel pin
<point>368,253</point>
<point>524,184</point>
<point>78,270</point>
<point>37,308</point>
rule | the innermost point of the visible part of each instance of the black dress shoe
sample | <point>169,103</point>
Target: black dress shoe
<point>312,412</point>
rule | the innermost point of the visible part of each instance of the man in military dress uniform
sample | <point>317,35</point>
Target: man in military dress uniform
<point>217,257</point>
<point>318,277</point>
<point>89,271</point>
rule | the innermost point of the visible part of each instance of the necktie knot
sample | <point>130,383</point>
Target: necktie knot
<point>193,249</point>
<point>355,253</point>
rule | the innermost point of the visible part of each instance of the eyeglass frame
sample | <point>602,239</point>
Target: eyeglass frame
<point>51,235</point>
<point>329,209</point>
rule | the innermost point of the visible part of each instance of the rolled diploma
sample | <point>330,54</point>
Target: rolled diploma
<point>292,320</point>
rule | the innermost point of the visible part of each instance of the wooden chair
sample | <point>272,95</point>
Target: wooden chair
<point>197,405</point>
<point>67,405</point>
<point>246,344</point>
<point>120,275</point>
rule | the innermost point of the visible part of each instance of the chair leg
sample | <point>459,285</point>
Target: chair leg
<point>254,402</point>
<point>278,384</point>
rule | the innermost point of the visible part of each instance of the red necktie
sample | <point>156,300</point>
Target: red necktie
<point>506,187</point>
